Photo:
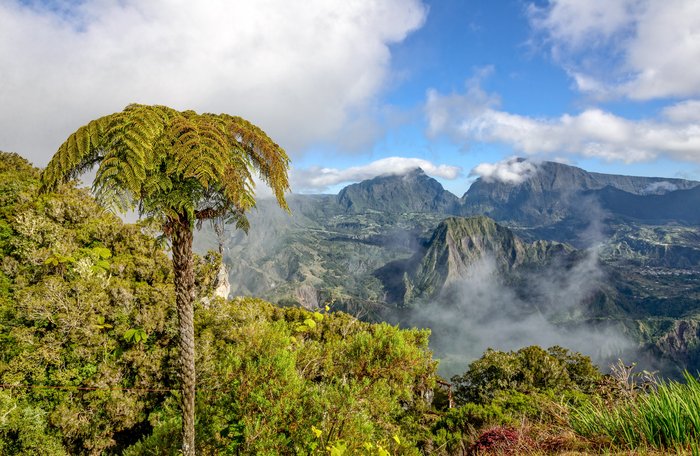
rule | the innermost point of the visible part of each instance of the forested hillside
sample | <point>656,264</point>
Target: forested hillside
<point>88,350</point>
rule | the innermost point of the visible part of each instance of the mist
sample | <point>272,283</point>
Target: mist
<point>485,308</point>
<point>481,311</point>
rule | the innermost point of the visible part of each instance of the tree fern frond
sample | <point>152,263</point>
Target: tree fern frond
<point>115,199</point>
<point>172,162</point>
<point>269,158</point>
<point>78,153</point>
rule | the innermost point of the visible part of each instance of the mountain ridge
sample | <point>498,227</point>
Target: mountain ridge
<point>386,247</point>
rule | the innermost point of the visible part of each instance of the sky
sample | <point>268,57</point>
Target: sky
<point>357,88</point>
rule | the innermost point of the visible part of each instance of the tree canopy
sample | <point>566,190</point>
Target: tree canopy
<point>166,162</point>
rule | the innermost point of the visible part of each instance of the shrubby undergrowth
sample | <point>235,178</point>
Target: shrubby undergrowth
<point>88,351</point>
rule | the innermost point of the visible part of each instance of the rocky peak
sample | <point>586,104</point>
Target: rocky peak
<point>459,244</point>
<point>413,191</point>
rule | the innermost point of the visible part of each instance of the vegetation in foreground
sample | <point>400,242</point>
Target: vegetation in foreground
<point>88,363</point>
<point>178,169</point>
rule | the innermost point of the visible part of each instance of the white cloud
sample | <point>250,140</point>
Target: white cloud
<point>661,187</point>
<point>473,103</point>
<point>298,70</point>
<point>509,171</point>
<point>640,49</point>
<point>580,24</point>
<point>320,179</point>
<point>684,111</point>
<point>591,133</point>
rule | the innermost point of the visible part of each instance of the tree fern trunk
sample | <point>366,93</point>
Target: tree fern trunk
<point>184,291</point>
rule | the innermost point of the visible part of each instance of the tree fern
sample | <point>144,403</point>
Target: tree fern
<point>179,168</point>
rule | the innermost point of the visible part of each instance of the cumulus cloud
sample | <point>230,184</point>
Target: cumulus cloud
<point>475,117</point>
<point>300,71</point>
<point>639,49</point>
<point>320,179</point>
<point>509,171</point>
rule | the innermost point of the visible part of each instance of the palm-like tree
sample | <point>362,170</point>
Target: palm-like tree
<point>180,168</point>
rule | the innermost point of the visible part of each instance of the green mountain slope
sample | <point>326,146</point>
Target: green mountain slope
<point>383,246</point>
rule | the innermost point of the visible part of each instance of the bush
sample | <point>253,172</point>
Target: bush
<point>88,337</point>
<point>529,370</point>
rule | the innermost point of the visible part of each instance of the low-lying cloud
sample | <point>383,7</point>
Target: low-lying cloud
<point>509,171</point>
<point>656,188</point>
<point>319,179</point>
<point>484,312</point>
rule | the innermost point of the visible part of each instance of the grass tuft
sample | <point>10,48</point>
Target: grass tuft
<point>665,418</point>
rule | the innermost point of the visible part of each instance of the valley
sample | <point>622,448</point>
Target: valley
<point>586,256</point>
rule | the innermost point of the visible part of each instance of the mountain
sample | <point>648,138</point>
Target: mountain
<point>454,251</point>
<point>556,192</point>
<point>412,192</point>
<point>564,251</point>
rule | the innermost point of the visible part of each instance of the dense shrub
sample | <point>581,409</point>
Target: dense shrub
<point>528,370</point>
<point>88,343</point>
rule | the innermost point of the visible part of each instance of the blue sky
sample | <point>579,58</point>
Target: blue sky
<point>356,89</point>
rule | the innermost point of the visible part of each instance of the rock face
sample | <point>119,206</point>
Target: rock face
<point>681,342</point>
<point>411,192</point>
<point>460,243</point>
<point>222,286</point>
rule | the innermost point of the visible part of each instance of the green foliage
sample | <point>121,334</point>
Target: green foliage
<point>667,417</point>
<point>24,428</point>
<point>172,164</point>
<point>352,381</point>
<point>90,345</point>
<point>528,370</point>
<point>265,388</point>
<point>135,335</point>
<point>74,279</point>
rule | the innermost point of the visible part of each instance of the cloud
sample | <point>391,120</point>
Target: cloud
<point>638,49</point>
<point>475,101</point>
<point>509,171</point>
<point>320,179</point>
<point>481,310</point>
<point>685,111</point>
<point>661,187</point>
<point>299,71</point>
<point>475,117</point>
